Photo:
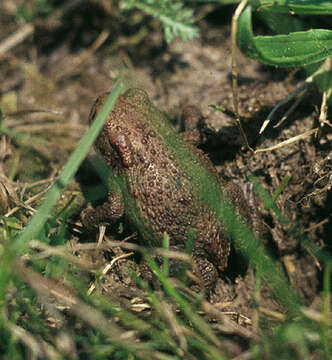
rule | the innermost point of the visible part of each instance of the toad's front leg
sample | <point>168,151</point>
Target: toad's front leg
<point>110,211</point>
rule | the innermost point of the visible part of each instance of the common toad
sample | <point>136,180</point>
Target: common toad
<point>163,183</point>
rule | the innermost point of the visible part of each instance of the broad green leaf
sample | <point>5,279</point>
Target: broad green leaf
<point>225,2</point>
<point>296,49</point>
<point>310,7</point>
<point>281,23</point>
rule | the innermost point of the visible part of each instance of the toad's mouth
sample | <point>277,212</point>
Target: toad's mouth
<point>109,153</point>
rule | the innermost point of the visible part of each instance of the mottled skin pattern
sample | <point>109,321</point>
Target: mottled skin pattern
<point>159,190</point>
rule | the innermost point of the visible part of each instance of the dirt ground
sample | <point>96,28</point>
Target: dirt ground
<point>61,69</point>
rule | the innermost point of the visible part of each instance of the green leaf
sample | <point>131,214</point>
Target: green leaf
<point>309,7</point>
<point>225,2</point>
<point>296,49</point>
<point>175,18</point>
<point>324,78</point>
<point>281,23</point>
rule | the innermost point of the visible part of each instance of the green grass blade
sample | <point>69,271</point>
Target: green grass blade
<point>165,258</point>
<point>326,310</point>
<point>281,187</point>
<point>39,219</point>
<point>208,341</point>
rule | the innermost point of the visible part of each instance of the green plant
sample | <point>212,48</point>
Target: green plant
<point>175,18</point>
<point>45,310</point>
<point>296,42</point>
<point>300,40</point>
<point>36,8</point>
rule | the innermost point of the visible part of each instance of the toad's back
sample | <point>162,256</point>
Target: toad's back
<point>166,183</point>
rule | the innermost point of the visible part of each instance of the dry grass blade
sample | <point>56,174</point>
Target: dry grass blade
<point>107,268</point>
<point>38,347</point>
<point>230,326</point>
<point>235,91</point>
<point>273,314</point>
<point>290,110</point>
<point>323,109</point>
<point>27,203</point>
<point>170,317</point>
<point>50,289</point>
<point>106,245</point>
<point>55,129</point>
<point>28,29</point>
<point>47,251</point>
<point>14,39</point>
<point>302,88</point>
<point>32,111</point>
<point>289,141</point>
<point>79,60</point>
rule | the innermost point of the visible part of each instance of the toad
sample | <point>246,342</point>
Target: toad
<point>162,183</point>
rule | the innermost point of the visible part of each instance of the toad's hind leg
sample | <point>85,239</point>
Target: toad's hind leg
<point>211,249</point>
<point>206,272</point>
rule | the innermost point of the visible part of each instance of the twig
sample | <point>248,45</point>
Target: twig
<point>315,226</point>
<point>48,288</point>
<point>290,110</point>
<point>235,19</point>
<point>77,61</point>
<point>232,327</point>
<point>14,39</point>
<point>106,245</point>
<point>289,141</point>
<point>27,202</point>
<point>28,29</point>
<point>326,95</point>
<point>282,103</point>
<point>38,347</point>
<point>47,251</point>
<point>107,268</point>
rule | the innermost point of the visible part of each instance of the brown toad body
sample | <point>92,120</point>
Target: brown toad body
<point>163,183</point>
